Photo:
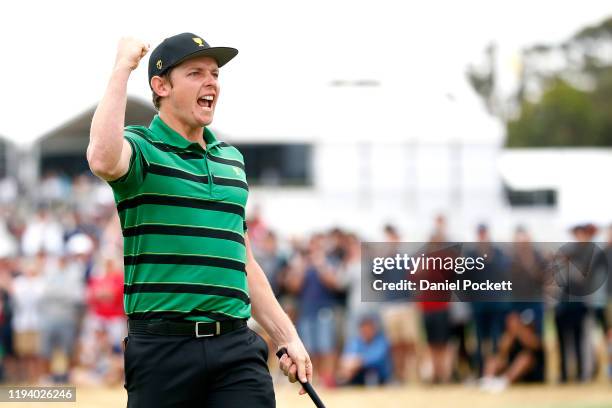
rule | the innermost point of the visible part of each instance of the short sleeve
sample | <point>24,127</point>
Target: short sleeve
<point>134,177</point>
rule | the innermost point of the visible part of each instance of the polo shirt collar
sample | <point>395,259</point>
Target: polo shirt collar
<point>210,139</point>
<point>170,136</point>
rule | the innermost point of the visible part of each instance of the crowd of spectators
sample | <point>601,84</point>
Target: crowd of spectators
<point>62,319</point>
<point>491,344</point>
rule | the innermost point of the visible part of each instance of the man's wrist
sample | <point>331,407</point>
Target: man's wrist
<point>122,67</point>
<point>285,336</point>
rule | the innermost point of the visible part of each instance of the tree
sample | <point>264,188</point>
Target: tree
<point>564,116</point>
<point>564,95</point>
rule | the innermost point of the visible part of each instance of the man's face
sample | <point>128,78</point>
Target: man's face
<point>194,92</point>
<point>513,322</point>
<point>367,330</point>
<point>522,237</point>
<point>483,235</point>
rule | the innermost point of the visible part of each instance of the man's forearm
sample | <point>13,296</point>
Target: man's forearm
<point>106,134</point>
<point>108,154</point>
<point>265,308</point>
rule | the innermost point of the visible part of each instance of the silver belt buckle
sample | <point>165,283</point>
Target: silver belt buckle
<point>216,333</point>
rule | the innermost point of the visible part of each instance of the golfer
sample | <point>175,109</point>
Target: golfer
<point>191,281</point>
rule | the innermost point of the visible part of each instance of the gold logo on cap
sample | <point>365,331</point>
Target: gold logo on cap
<point>198,41</point>
<point>159,64</point>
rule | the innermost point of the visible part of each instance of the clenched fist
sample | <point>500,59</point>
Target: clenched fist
<point>129,52</point>
<point>296,364</point>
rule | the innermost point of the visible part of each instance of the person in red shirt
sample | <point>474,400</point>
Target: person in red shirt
<point>436,311</point>
<point>105,301</point>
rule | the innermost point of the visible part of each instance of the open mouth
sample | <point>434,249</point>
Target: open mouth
<point>206,101</point>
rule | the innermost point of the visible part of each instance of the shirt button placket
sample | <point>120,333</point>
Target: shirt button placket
<point>210,174</point>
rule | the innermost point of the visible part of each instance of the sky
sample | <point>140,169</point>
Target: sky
<point>58,55</point>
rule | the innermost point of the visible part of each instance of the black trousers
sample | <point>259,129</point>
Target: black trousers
<point>227,371</point>
<point>569,319</point>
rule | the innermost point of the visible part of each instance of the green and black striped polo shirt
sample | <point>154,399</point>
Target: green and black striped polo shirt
<point>182,212</point>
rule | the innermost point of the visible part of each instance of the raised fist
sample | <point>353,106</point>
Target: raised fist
<point>130,51</point>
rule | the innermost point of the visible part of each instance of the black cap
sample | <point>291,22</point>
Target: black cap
<point>176,49</point>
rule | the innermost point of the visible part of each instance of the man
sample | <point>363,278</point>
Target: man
<point>62,299</point>
<point>520,357</point>
<point>489,317</point>
<point>570,316</point>
<point>366,359</point>
<point>191,280</point>
<point>316,282</point>
<point>400,317</point>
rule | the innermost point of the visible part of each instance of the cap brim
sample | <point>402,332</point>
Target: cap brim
<point>222,55</point>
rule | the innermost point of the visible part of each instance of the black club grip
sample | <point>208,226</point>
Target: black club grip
<point>307,386</point>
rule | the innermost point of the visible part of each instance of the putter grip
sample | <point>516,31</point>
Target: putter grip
<point>307,386</point>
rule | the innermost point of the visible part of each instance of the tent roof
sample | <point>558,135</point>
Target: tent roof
<point>138,112</point>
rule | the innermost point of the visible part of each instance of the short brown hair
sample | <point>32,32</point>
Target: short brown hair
<point>156,98</point>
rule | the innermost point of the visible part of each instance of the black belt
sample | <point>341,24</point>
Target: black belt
<point>184,328</point>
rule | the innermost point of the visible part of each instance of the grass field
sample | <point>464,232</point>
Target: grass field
<point>547,396</point>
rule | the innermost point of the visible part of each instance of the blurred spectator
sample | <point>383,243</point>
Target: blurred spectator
<point>7,353</point>
<point>366,359</point>
<point>436,311</point>
<point>315,282</point>
<point>530,276</point>
<point>105,300</point>
<point>460,315</point>
<point>350,274</point>
<point>336,245</point>
<point>570,316</point>
<point>8,190</point>
<point>400,316</point>
<point>80,248</point>
<point>607,263</point>
<point>272,261</point>
<point>257,228</point>
<point>598,300</point>
<point>8,244</point>
<point>528,268</point>
<point>569,320</point>
<point>489,317</point>
<point>82,194</point>
<point>42,233</point>
<point>53,188</point>
<point>111,238</point>
<point>100,362</point>
<point>62,296</point>
<point>274,264</point>
<point>8,250</point>
<point>27,291</point>
<point>520,356</point>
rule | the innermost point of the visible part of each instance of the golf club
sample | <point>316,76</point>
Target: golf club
<point>307,386</point>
